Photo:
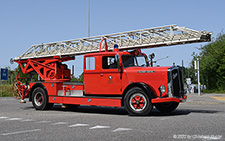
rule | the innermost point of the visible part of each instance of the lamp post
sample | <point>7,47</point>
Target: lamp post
<point>89,62</point>
<point>88,18</point>
<point>198,77</point>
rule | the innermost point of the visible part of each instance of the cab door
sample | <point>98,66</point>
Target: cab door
<point>110,77</point>
<point>92,78</point>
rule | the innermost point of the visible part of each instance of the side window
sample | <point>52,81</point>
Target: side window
<point>109,62</point>
<point>90,63</point>
<point>141,61</point>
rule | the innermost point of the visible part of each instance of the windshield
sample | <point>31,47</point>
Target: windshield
<point>134,61</point>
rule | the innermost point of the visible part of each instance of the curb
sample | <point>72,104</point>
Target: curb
<point>204,99</point>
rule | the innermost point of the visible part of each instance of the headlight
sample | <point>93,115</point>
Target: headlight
<point>162,89</point>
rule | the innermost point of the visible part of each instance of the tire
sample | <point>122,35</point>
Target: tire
<point>137,102</point>
<point>40,99</point>
<point>166,107</point>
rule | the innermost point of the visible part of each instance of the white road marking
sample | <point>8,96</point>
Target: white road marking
<point>14,119</point>
<point>59,123</point>
<point>19,132</point>
<point>3,117</point>
<point>121,129</point>
<point>43,121</point>
<point>99,127</point>
<point>79,125</point>
<point>27,120</point>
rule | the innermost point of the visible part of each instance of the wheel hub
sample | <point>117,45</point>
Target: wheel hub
<point>38,99</point>
<point>138,102</point>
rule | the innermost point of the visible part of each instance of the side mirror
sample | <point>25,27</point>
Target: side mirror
<point>152,56</point>
<point>118,62</point>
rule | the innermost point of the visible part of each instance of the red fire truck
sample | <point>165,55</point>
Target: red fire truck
<point>116,72</point>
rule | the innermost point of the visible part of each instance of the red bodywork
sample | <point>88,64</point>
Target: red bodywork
<point>49,69</point>
<point>101,87</point>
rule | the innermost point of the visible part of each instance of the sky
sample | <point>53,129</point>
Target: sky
<point>27,22</point>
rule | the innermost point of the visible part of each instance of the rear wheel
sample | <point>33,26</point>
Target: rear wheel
<point>40,99</point>
<point>166,107</point>
<point>137,102</point>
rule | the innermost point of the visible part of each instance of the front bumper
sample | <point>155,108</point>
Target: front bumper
<point>169,99</point>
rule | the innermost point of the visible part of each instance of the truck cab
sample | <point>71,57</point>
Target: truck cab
<point>129,76</point>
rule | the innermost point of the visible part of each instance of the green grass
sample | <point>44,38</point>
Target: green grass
<point>6,91</point>
<point>214,91</point>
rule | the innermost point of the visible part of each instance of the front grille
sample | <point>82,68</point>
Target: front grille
<point>175,82</point>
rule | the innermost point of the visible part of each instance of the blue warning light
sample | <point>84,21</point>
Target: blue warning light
<point>115,46</point>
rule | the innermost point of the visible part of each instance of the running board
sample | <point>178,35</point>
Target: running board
<point>87,100</point>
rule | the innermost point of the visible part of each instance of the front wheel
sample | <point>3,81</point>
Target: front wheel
<point>137,102</point>
<point>40,99</point>
<point>166,107</point>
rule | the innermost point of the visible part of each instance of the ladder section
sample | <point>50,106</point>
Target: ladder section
<point>144,38</point>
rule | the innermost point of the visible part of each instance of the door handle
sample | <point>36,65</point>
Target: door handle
<point>101,74</point>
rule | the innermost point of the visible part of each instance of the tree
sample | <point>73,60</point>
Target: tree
<point>80,78</point>
<point>212,63</point>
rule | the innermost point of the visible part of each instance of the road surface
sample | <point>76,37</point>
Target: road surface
<point>200,118</point>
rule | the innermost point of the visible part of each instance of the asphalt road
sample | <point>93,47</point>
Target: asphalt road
<point>200,118</point>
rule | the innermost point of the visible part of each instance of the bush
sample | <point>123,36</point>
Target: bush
<point>7,90</point>
<point>213,91</point>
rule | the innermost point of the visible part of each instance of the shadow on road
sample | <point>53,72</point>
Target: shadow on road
<point>180,112</point>
<point>122,111</point>
<point>93,109</point>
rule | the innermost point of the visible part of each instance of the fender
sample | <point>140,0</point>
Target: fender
<point>35,86</point>
<point>145,87</point>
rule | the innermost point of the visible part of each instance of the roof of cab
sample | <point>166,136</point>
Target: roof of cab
<point>106,53</point>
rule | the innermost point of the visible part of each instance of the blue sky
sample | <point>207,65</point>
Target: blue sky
<point>27,22</point>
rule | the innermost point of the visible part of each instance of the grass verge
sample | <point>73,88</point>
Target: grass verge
<point>214,91</point>
<point>6,91</point>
